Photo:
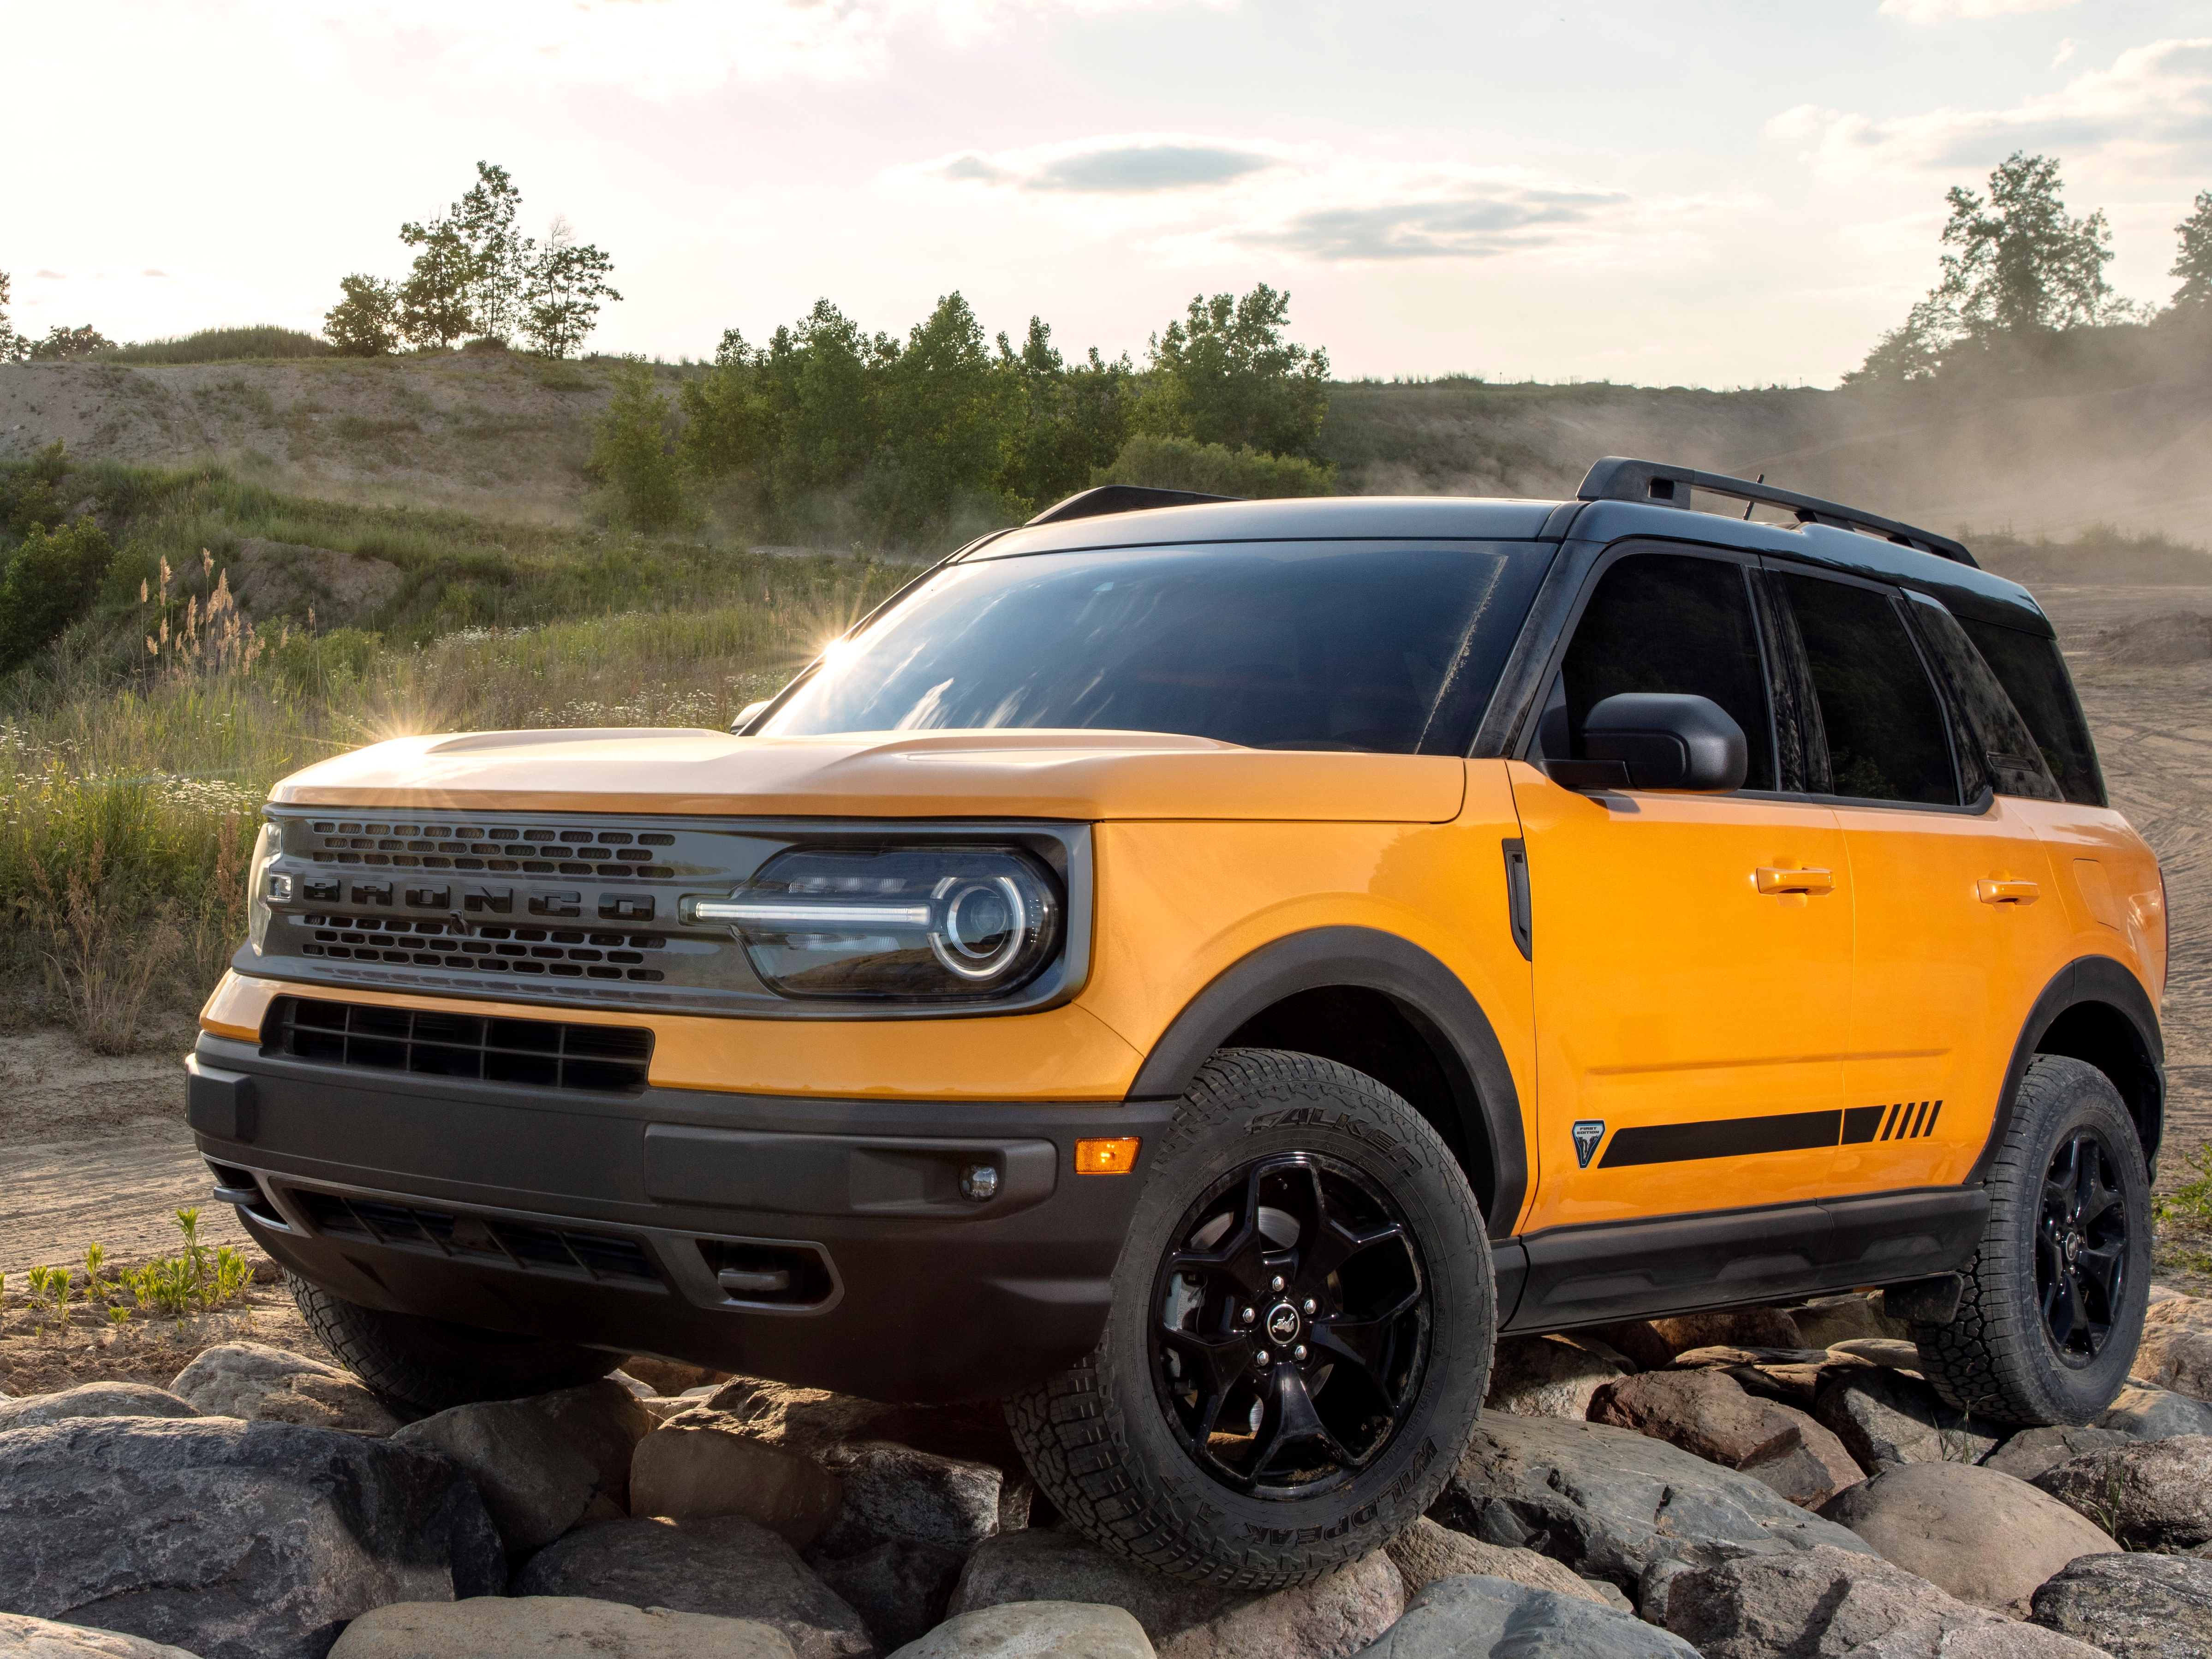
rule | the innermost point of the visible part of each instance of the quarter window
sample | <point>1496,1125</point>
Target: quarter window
<point>1887,739</point>
<point>1668,621</point>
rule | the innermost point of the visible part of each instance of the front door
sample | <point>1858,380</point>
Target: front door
<point>1692,953</point>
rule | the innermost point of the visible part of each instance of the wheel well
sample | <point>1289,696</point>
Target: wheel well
<point>2101,1036</point>
<point>1372,1032</point>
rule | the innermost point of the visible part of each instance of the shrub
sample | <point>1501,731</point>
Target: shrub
<point>220,345</point>
<point>1215,469</point>
<point>49,583</point>
<point>632,454</point>
<point>364,323</point>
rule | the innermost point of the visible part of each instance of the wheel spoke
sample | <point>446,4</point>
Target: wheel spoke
<point>2100,1199</point>
<point>1361,1343</point>
<point>2062,1308</point>
<point>2100,1272</point>
<point>1287,1419</point>
<point>1219,1362</point>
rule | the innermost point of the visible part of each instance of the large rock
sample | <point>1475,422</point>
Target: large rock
<point>1733,1328</point>
<point>1828,1320</point>
<point>260,1384</point>
<point>1610,1503</point>
<point>92,1400</point>
<point>2133,1606</point>
<point>232,1540</point>
<point>1708,1414</point>
<point>1977,1535</point>
<point>1326,1619</point>
<point>815,1420</point>
<point>2176,1351</point>
<point>893,1493</point>
<point>899,1590</point>
<point>2155,1414</point>
<point>699,1465</point>
<point>1477,1618</point>
<point>726,1566</point>
<point>2032,1451</point>
<point>1425,1552</point>
<point>545,1464</point>
<point>1885,1418</point>
<point>22,1638</point>
<point>2153,1495</point>
<point>1036,1630</point>
<point>552,1627</point>
<point>1825,1604</point>
<point>1546,1377</point>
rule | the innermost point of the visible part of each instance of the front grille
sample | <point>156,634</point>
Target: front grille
<point>482,1240</point>
<point>540,1053</point>
<point>538,850</point>
<point>565,953</point>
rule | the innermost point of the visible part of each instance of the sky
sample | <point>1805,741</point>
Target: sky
<point>1741,192</point>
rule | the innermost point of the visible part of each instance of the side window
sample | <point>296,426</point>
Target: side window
<point>1667,621</point>
<point>1994,746</point>
<point>2033,673</point>
<point>1886,731</point>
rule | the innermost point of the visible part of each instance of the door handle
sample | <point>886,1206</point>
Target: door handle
<point>1773,880</point>
<point>1998,891</point>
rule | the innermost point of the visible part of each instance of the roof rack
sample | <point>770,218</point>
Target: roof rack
<point>1121,498</point>
<point>1616,478</point>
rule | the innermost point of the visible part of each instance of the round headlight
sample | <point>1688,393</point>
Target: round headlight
<point>921,923</point>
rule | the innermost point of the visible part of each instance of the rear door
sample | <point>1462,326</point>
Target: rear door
<point>1692,953</point>
<point>1957,922</point>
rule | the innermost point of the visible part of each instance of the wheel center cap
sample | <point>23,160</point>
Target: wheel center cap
<point>1282,1324</point>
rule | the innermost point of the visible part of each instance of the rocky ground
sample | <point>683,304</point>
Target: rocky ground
<point>1771,1484</point>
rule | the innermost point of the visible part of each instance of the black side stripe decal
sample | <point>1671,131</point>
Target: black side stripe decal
<point>1779,1132</point>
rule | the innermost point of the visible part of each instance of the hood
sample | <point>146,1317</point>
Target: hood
<point>1025,773</point>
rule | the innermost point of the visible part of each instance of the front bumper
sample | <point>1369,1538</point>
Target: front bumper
<point>823,1243</point>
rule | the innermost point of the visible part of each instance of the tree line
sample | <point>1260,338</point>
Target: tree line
<point>2018,270</point>
<point>831,435</point>
<point>477,276</point>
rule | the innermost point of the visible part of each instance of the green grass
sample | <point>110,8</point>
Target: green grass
<point>222,345</point>
<point>129,781</point>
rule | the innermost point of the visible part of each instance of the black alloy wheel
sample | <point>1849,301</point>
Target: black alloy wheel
<point>1292,1326</point>
<point>2082,1247</point>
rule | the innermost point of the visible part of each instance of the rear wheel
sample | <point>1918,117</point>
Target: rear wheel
<point>431,1365</point>
<point>2054,1298</point>
<point>1300,1337</point>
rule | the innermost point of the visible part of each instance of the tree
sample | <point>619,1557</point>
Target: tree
<point>1225,375</point>
<point>14,348</point>
<point>631,451</point>
<point>364,323</point>
<point>2194,266</point>
<point>70,345</point>
<point>48,583</point>
<point>499,256</point>
<point>568,280</point>
<point>2018,267</point>
<point>434,301</point>
<point>1070,421</point>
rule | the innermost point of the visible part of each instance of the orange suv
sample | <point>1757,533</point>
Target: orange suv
<point>1198,972</point>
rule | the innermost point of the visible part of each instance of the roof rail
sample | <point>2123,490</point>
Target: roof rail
<point>1616,478</point>
<point>1121,498</point>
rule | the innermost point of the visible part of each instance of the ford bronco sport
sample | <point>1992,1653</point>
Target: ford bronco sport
<point>1197,972</point>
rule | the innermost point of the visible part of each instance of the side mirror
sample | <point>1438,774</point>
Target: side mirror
<point>1658,740</point>
<point>748,714</point>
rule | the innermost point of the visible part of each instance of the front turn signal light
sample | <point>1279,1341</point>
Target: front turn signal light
<point>1114,1156</point>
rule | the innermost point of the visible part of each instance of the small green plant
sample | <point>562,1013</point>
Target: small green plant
<point>48,1296</point>
<point>2191,1201</point>
<point>198,1279</point>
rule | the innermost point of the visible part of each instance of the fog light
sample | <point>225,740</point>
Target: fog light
<point>980,1182</point>
<point>1114,1156</point>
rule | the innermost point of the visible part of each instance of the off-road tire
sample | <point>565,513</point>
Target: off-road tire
<point>1997,1358</point>
<point>429,1365</point>
<point>1097,1438</point>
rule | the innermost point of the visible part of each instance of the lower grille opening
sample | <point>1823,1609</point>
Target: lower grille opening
<point>542,1053</point>
<point>574,1253</point>
<point>774,1275</point>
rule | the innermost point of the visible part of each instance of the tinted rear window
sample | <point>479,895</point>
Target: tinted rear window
<point>1339,646</point>
<point>1887,738</point>
<point>2033,674</point>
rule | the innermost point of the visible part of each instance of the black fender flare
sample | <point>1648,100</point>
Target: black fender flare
<point>2102,981</point>
<point>1435,999</point>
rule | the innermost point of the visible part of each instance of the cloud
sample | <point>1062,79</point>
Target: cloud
<point>150,271</point>
<point>2150,112</point>
<point>660,48</point>
<point>2067,48</point>
<point>50,276</point>
<point>1446,213</point>
<point>1136,164</point>
<point>1938,11</point>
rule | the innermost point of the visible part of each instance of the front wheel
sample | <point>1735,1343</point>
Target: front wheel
<point>1300,1336</point>
<point>2054,1300</point>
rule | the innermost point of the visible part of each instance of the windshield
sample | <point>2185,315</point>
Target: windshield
<point>1337,645</point>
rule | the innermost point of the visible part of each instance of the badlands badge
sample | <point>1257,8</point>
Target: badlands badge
<point>1587,1133</point>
